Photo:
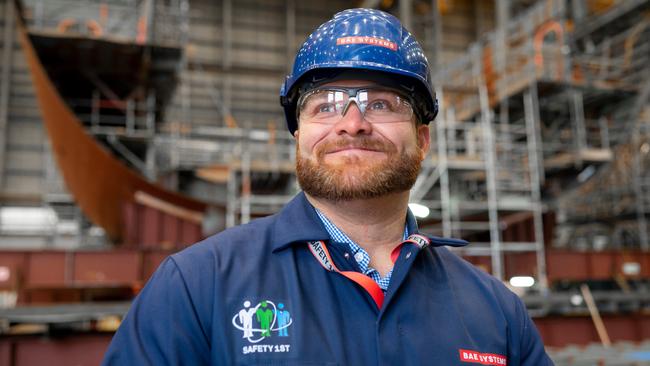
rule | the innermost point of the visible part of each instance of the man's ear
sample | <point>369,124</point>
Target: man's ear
<point>424,140</point>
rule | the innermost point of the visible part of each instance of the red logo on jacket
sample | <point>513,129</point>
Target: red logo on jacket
<point>482,358</point>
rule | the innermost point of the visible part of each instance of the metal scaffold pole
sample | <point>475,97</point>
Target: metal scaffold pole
<point>444,171</point>
<point>491,175</point>
<point>405,13</point>
<point>290,24</point>
<point>578,117</point>
<point>231,202</point>
<point>5,80</point>
<point>640,179</point>
<point>639,192</point>
<point>245,199</point>
<point>227,30</point>
<point>535,185</point>
<point>436,26</point>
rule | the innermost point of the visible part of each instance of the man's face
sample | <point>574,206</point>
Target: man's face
<point>356,159</point>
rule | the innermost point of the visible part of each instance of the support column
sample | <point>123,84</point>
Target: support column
<point>445,192</point>
<point>231,202</point>
<point>578,10</point>
<point>491,166</point>
<point>5,81</point>
<point>405,14</point>
<point>143,30</point>
<point>641,199</point>
<point>479,18</point>
<point>150,19</point>
<point>640,175</point>
<point>538,132</point>
<point>245,198</point>
<point>290,32</point>
<point>535,186</point>
<point>491,182</point>
<point>436,47</point>
<point>502,20</point>
<point>227,58</point>
<point>150,161</point>
<point>500,57</point>
<point>578,117</point>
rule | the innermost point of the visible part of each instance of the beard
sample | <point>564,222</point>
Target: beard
<point>353,178</point>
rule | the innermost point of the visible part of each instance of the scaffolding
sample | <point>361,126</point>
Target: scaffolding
<point>255,165</point>
<point>484,173</point>
<point>616,50</point>
<point>522,106</point>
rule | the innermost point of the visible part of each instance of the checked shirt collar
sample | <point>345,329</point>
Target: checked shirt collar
<point>358,253</point>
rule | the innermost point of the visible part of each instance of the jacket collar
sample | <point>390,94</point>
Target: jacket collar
<point>298,222</point>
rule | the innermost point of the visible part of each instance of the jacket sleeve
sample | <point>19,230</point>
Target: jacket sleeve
<point>531,350</point>
<point>162,326</point>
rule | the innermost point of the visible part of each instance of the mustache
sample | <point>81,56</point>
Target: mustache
<point>366,143</point>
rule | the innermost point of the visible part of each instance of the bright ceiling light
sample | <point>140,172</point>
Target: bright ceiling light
<point>522,281</point>
<point>419,210</point>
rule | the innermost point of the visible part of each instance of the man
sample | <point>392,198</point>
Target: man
<point>344,258</point>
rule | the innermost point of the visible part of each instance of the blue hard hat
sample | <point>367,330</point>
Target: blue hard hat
<point>365,44</point>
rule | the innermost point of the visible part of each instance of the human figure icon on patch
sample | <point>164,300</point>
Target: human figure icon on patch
<point>264,317</point>
<point>283,318</point>
<point>246,318</point>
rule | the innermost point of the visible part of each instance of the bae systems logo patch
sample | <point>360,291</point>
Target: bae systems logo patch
<point>489,359</point>
<point>263,321</point>
<point>373,41</point>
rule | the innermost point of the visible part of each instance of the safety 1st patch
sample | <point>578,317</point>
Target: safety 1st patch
<point>261,323</point>
<point>490,359</point>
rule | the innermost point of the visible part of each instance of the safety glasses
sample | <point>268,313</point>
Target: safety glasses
<point>377,104</point>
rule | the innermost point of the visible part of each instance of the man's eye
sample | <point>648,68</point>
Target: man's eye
<point>378,105</point>
<point>326,108</point>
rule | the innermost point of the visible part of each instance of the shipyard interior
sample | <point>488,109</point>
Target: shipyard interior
<point>131,129</point>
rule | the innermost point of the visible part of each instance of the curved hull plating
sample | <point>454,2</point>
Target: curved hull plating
<point>100,183</point>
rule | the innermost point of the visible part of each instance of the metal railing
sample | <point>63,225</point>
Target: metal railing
<point>128,117</point>
<point>201,146</point>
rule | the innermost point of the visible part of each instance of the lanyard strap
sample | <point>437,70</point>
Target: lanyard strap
<point>322,255</point>
<point>320,252</point>
<point>420,241</point>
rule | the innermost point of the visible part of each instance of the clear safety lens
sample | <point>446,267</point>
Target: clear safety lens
<point>377,105</point>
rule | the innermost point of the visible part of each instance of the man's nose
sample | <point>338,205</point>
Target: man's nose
<point>352,122</point>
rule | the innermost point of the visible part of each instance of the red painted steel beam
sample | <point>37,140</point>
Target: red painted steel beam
<point>560,331</point>
<point>51,276</point>
<point>78,349</point>
<point>583,266</point>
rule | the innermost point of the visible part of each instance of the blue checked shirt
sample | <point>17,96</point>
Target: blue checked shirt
<point>360,255</point>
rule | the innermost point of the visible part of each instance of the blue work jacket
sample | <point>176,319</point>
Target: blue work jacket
<point>256,295</point>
